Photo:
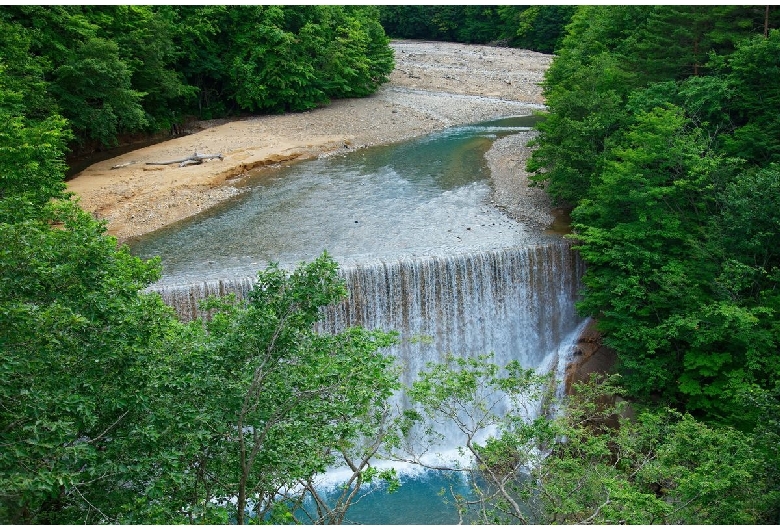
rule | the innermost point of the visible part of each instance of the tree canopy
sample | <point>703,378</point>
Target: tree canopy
<point>538,28</point>
<point>661,135</point>
<point>114,71</point>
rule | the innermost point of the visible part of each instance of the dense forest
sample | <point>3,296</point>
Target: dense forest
<point>115,70</point>
<point>538,28</point>
<point>662,135</point>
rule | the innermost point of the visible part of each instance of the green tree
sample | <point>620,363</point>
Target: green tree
<point>24,73</point>
<point>75,334</point>
<point>119,413</point>
<point>117,70</point>
<point>268,69</point>
<point>660,468</point>
<point>283,58</point>
<point>95,92</point>
<point>639,236</point>
<point>114,411</point>
<point>751,71</point>
<point>31,151</point>
<point>478,398</point>
<point>659,122</point>
<point>533,27</point>
<point>145,39</point>
<point>271,404</point>
<point>588,464</point>
<point>571,145</point>
<point>408,22</point>
<point>585,88</point>
<point>539,28</point>
<point>201,43</point>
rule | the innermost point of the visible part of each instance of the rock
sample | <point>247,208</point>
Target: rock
<point>591,356</point>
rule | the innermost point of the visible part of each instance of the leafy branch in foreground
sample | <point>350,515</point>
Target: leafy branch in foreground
<point>591,463</point>
<point>281,401</point>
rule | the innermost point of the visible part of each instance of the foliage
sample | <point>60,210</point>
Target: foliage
<point>661,138</point>
<point>285,59</point>
<point>94,91</point>
<point>478,397</point>
<point>76,335</point>
<point>662,467</point>
<point>750,72</point>
<point>588,464</point>
<point>286,399</point>
<point>119,413</point>
<point>537,28</point>
<point>31,153</point>
<point>113,71</point>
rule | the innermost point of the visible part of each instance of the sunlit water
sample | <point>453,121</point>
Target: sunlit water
<point>419,198</point>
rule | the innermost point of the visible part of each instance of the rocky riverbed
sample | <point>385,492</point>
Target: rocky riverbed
<point>434,85</point>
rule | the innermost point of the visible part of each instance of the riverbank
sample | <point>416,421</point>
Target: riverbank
<point>434,85</point>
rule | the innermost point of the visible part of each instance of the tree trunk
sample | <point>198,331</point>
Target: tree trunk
<point>766,22</point>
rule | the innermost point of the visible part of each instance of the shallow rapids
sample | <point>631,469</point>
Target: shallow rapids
<point>422,198</point>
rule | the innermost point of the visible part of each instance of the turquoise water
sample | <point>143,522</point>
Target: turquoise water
<point>424,498</point>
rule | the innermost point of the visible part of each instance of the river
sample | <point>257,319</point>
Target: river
<point>421,250</point>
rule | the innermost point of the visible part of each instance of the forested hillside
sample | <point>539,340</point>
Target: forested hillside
<point>111,410</point>
<point>537,28</point>
<point>664,136</point>
<point>118,70</point>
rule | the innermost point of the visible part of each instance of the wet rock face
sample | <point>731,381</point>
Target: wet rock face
<point>590,357</point>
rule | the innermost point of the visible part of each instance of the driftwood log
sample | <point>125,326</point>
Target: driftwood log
<point>120,166</point>
<point>194,159</point>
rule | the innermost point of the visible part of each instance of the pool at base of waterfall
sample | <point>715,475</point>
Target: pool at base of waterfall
<point>422,498</point>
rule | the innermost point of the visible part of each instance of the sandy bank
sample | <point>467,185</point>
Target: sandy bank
<point>435,85</point>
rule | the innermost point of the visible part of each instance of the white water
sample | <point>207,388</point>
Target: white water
<point>422,255</point>
<point>516,303</point>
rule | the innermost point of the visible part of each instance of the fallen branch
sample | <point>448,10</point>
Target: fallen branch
<point>190,160</point>
<point>120,166</point>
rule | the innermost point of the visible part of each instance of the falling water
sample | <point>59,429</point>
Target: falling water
<point>517,303</point>
<point>420,255</point>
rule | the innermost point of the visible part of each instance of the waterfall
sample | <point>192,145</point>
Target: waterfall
<point>516,303</point>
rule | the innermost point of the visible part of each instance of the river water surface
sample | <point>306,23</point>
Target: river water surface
<point>422,252</point>
<point>419,198</point>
